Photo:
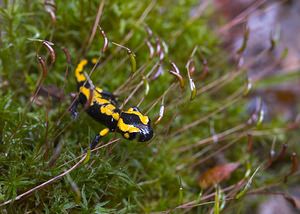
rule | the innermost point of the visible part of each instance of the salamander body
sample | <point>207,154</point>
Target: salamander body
<point>103,107</point>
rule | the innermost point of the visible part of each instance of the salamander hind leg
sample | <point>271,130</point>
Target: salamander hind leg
<point>97,138</point>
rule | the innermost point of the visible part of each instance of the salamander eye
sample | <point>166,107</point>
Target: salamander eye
<point>135,109</point>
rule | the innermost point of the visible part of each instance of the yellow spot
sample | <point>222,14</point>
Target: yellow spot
<point>126,135</point>
<point>104,132</point>
<point>99,90</point>
<point>96,96</point>
<point>126,128</point>
<point>108,109</point>
<point>94,60</point>
<point>101,101</point>
<point>116,116</point>
<point>143,118</point>
<point>78,71</point>
<point>85,91</point>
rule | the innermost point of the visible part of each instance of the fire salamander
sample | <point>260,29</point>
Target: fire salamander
<point>103,107</point>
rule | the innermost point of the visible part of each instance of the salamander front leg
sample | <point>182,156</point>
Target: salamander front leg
<point>97,138</point>
<point>73,108</point>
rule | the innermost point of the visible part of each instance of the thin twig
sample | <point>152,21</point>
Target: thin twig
<point>96,23</point>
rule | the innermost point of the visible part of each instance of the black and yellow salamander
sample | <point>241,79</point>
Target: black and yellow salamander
<point>103,107</point>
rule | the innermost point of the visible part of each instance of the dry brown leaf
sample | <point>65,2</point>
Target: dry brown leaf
<point>217,174</point>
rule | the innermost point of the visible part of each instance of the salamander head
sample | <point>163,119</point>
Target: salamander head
<point>133,123</point>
